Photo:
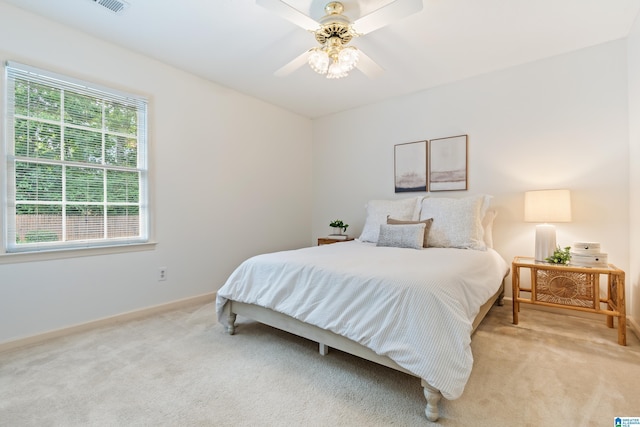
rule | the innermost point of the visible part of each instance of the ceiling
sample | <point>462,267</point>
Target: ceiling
<point>240,45</point>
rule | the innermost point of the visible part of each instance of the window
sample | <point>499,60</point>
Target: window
<point>76,163</point>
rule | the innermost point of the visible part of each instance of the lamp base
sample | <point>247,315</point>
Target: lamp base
<point>545,241</point>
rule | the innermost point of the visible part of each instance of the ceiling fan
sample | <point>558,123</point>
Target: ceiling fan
<point>334,58</point>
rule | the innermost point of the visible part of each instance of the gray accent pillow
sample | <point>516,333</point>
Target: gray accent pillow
<point>426,222</point>
<point>402,235</point>
<point>377,211</point>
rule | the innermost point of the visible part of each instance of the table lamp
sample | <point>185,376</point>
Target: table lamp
<point>545,206</point>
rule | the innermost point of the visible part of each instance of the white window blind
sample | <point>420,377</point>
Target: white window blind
<point>76,156</point>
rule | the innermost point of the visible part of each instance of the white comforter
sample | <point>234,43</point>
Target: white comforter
<point>414,306</point>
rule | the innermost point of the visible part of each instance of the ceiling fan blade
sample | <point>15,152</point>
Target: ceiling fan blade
<point>368,66</point>
<point>289,13</point>
<point>289,68</point>
<point>386,15</point>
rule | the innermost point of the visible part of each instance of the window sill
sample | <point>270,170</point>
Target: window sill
<point>13,258</point>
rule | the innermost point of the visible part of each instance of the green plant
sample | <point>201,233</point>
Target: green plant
<point>339,224</point>
<point>560,256</point>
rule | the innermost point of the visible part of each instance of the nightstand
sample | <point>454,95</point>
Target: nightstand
<point>573,288</point>
<point>329,240</point>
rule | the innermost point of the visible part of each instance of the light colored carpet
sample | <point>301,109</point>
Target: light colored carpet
<point>180,369</point>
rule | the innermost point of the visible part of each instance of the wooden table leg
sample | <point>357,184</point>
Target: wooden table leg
<point>622,309</point>
<point>622,330</point>
<point>515,292</point>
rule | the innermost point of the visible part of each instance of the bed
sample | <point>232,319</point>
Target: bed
<point>399,295</point>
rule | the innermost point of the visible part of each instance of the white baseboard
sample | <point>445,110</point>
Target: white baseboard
<point>631,323</point>
<point>119,318</point>
<point>203,299</point>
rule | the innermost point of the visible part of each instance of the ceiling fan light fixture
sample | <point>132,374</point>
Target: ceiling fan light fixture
<point>337,70</point>
<point>319,61</point>
<point>334,60</point>
<point>334,31</point>
<point>349,57</point>
<point>343,62</point>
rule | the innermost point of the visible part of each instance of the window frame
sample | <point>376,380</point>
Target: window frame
<point>9,158</point>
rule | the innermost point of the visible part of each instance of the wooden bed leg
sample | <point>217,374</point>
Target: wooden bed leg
<point>500,300</point>
<point>433,397</point>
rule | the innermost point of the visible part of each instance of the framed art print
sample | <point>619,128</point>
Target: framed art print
<point>448,163</point>
<point>410,167</point>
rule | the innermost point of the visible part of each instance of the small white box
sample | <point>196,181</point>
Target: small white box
<point>590,248</point>
<point>589,260</point>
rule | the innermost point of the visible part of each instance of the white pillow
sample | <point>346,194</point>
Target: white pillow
<point>487,225</point>
<point>402,235</point>
<point>457,223</point>
<point>378,210</point>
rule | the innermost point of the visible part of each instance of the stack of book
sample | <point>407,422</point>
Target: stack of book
<point>587,254</point>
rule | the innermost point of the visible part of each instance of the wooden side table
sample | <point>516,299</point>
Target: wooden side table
<point>573,288</point>
<point>329,240</point>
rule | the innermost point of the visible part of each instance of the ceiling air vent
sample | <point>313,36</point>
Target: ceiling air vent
<point>114,6</point>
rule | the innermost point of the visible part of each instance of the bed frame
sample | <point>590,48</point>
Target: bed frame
<point>327,339</point>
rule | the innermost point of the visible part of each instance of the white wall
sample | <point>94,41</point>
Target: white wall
<point>633,276</point>
<point>556,123</point>
<point>221,190</point>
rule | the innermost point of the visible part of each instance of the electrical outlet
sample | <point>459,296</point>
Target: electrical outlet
<point>162,274</point>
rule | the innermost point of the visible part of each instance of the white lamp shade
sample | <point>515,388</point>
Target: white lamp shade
<point>547,206</point>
